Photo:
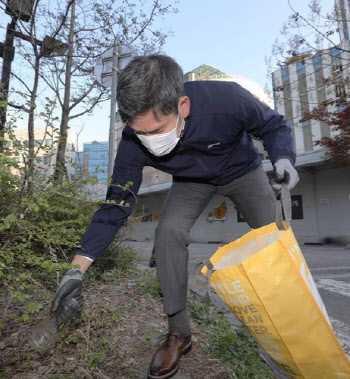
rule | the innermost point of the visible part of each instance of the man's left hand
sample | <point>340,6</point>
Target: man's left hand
<point>285,173</point>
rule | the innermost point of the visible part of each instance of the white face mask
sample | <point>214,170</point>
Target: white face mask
<point>164,143</point>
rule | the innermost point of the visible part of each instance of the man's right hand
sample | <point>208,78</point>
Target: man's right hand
<point>70,287</point>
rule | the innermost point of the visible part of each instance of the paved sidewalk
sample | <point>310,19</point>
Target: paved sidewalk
<point>320,258</point>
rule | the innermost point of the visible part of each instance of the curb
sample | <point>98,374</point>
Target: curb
<point>328,271</point>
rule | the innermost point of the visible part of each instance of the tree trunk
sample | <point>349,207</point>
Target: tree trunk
<point>61,149</point>
<point>31,140</point>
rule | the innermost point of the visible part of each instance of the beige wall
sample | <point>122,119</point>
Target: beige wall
<point>46,158</point>
<point>325,193</point>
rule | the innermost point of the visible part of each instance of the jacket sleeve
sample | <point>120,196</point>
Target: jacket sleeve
<point>107,220</point>
<point>261,121</point>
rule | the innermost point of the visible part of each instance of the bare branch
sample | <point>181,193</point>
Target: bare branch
<point>54,89</point>
<point>64,18</point>
<point>20,107</point>
<point>79,66</point>
<point>150,19</point>
<point>83,96</point>
<point>22,81</point>
<point>318,31</point>
<point>88,110</point>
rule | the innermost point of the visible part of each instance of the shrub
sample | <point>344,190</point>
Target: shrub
<point>40,231</point>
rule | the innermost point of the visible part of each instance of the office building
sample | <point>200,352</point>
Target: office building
<point>94,159</point>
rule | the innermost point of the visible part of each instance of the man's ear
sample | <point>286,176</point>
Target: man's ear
<point>184,106</point>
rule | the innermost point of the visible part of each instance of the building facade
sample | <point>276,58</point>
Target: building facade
<point>302,84</point>
<point>45,149</point>
<point>321,200</point>
<point>94,160</point>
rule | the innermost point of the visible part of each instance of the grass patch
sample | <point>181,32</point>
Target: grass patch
<point>228,345</point>
<point>114,263</point>
<point>234,347</point>
<point>148,283</point>
<point>116,332</point>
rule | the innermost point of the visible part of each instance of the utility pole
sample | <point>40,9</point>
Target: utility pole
<point>8,55</point>
<point>17,10</point>
<point>107,75</point>
<point>113,108</point>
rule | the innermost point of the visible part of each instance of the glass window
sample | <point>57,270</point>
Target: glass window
<point>337,68</point>
<point>285,73</point>
<point>47,160</point>
<point>340,108</point>
<point>335,52</point>
<point>317,61</point>
<point>274,89</point>
<point>301,67</point>
<point>340,90</point>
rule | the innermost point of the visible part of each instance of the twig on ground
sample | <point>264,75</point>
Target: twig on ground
<point>7,306</point>
<point>85,372</point>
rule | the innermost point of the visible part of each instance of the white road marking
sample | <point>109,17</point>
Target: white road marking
<point>342,331</point>
<point>336,286</point>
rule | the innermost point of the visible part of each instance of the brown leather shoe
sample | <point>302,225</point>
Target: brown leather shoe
<point>165,362</point>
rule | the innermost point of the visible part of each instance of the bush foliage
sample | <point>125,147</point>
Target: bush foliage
<point>39,231</point>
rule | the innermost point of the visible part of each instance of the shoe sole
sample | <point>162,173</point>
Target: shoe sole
<point>170,374</point>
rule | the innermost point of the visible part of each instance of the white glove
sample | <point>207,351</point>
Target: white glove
<point>285,173</point>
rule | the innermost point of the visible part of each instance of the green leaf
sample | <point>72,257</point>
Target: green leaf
<point>25,317</point>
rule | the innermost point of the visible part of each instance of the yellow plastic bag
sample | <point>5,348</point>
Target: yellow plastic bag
<point>264,279</point>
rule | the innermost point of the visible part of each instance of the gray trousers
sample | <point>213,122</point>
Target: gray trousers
<point>253,197</point>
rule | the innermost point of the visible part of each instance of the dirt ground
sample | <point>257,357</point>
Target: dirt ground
<point>114,337</point>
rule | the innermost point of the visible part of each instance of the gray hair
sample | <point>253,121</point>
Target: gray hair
<point>153,82</point>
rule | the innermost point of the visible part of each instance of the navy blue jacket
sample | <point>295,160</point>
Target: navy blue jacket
<point>215,147</point>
